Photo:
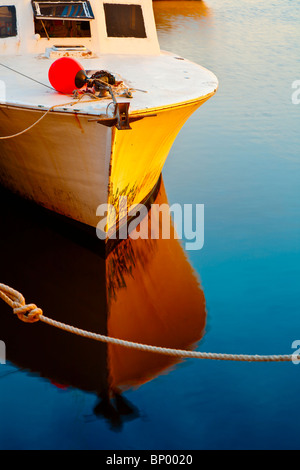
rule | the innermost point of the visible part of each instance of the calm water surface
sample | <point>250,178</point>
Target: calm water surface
<point>238,155</point>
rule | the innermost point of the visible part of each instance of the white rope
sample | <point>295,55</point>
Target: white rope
<point>28,128</point>
<point>75,95</point>
<point>31,313</point>
<point>26,76</point>
<point>72,103</point>
<point>166,351</point>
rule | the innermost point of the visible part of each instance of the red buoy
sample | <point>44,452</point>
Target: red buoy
<point>62,74</point>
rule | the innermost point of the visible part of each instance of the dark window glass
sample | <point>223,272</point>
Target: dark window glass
<point>62,29</point>
<point>8,22</point>
<point>69,10</point>
<point>124,21</point>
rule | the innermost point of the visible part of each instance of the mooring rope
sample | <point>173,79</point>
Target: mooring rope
<point>71,103</point>
<point>31,313</point>
<point>28,128</point>
<point>26,76</point>
<point>75,96</point>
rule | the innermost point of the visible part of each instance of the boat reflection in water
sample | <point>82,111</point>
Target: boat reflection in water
<point>142,290</point>
<point>168,12</point>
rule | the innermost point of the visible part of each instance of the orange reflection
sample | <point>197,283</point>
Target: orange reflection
<point>168,13</point>
<point>143,290</point>
<point>155,299</point>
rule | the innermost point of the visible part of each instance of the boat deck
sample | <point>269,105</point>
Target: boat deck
<point>157,82</point>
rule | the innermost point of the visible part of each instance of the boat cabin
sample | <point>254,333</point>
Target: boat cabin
<point>82,28</point>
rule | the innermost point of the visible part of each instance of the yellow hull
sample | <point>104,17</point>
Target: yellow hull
<point>138,156</point>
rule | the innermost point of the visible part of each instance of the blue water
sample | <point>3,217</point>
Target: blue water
<point>239,156</point>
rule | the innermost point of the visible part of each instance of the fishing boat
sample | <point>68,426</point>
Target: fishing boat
<point>89,104</point>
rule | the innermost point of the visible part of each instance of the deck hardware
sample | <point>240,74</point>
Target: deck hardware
<point>122,114</point>
<point>99,84</point>
<point>121,117</point>
<point>113,121</point>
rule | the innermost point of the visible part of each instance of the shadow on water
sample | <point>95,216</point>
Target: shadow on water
<point>142,290</point>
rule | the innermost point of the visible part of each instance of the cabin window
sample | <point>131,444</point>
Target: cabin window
<point>124,21</point>
<point>63,19</point>
<point>8,22</point>
<point>63,10</point>
<point>62,29</point>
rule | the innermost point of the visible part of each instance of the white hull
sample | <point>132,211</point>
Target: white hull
<point>62,164</point>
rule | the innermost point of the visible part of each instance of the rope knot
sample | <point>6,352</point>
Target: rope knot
<point>28,313</point>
